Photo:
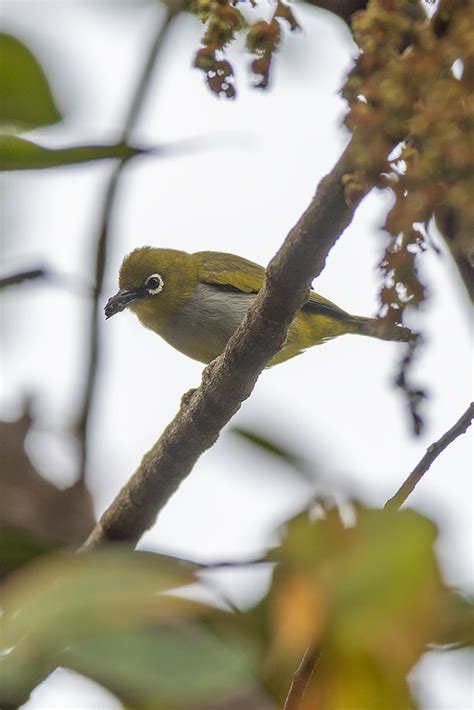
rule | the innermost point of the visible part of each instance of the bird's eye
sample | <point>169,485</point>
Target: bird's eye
<point>154,284</point>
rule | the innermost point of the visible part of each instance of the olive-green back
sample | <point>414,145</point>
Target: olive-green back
<point>232,271</point>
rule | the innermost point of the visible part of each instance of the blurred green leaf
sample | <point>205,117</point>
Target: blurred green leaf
<point>354,681</point>
<point>111,615</point>
<point>270,446</point>
<point>17,547</point>
<point>369,594</point>
<point>457,625</point>
<point>380,570</point>
<point>19,154</point>
<point>26,99</point>
<point>166,664</point>
<point>64,597</point>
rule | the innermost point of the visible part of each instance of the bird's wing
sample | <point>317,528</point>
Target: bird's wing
<point>229,271</point>
<point>234,272</point>
<point>319,304</point>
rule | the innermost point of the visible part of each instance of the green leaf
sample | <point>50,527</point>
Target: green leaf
<point>457,625</point>
<point>66,596</point>
<point>17,547</point>
<point>62,598</point>
<point>166,664</point>
<point>270,446</point>
<point>111,615</point>
<point>26,101</point>
<point>369,594</point>
<point>357,682</point>
<point>19,154</point>
<point>381,569</point>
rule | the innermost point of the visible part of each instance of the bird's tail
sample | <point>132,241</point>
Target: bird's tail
<point>383,330</point>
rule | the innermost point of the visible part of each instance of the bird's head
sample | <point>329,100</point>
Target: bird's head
<point>153,282</point>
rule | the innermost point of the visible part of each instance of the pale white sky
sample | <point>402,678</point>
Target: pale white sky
<point>265,154</point>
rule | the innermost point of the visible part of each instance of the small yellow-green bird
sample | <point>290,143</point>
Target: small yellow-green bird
<point>196,301</point>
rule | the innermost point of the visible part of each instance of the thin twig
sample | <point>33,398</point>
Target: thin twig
<point>432,453</point>
<point>21,276</point>
<point>301,678</point>
<point>101,240</point>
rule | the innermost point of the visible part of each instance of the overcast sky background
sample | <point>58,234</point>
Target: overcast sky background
<point>241,192</point>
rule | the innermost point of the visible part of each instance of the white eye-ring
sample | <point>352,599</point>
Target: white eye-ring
<point>154,284</point>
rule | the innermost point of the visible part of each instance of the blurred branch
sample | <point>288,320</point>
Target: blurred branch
<point>456,234</point>
<point>172,9</point>
<point>431,455</point>
<point>301,678</point>
<point>230,379</point>
<point>20,276</point>
<point>458,238</point>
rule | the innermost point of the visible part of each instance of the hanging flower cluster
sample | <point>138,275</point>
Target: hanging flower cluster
<point>223,22</point>
<point>411,113</point>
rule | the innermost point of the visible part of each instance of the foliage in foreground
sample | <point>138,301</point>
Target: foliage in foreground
<point>368,597</point>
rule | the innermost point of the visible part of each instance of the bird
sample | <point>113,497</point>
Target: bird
<point>196,301</point>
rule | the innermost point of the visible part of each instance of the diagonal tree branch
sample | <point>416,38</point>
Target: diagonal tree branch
<point>230,379</point>
<point>432,453</point>
<point>101,240</point>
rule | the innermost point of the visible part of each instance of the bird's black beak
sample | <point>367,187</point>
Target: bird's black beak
<point>120,300</point>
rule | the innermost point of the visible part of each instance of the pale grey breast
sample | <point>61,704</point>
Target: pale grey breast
<point>205,324</point>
